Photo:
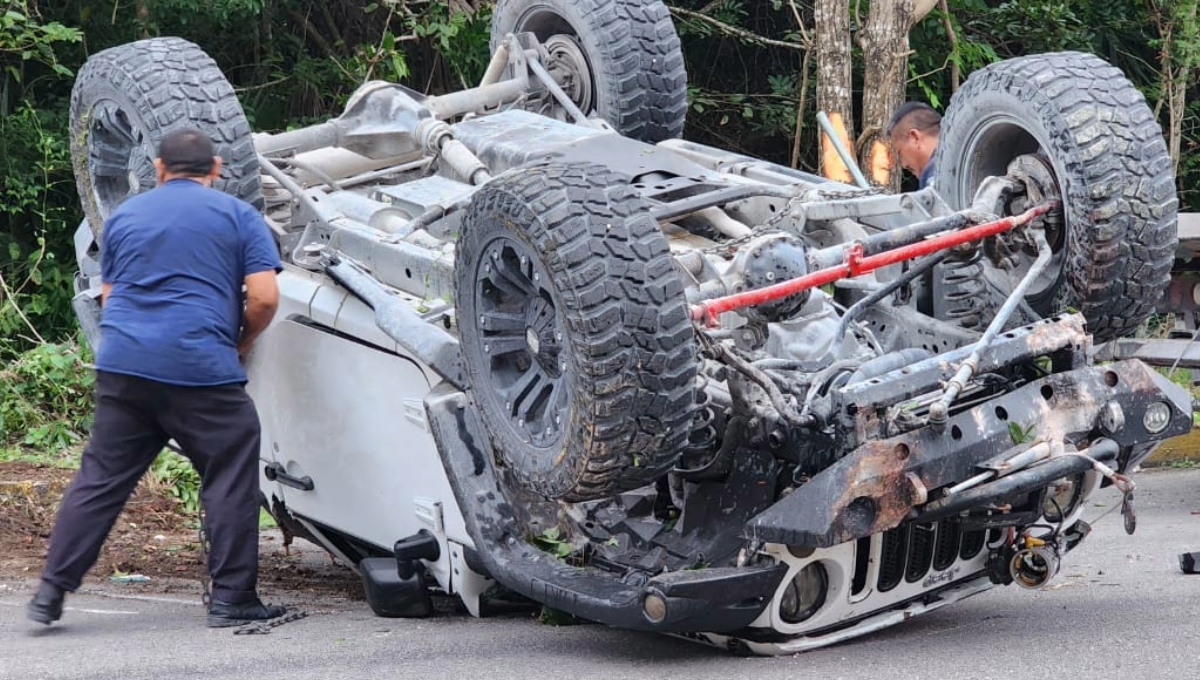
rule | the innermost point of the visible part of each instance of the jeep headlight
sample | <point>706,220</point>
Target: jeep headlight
<point>1157,417</point>
<point>1062,497</point>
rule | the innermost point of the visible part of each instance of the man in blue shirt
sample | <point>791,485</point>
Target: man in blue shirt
<point>175,327</point>
<point>913,133</point>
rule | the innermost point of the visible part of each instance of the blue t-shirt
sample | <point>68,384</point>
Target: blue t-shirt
<point>926,175</point>
<point>176,257</point>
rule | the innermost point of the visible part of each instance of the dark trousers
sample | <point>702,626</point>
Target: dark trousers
<point>218,430</point>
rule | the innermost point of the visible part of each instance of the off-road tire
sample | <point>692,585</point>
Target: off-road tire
<point>619,328</point>
<point>153,87</point>
<point>635,55</point>
<point>1112,167</point>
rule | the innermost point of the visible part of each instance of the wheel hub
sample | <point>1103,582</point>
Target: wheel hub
<point>531,339</point>
<point>1035,174</point>
<point>542,336</point>
<point>570,69</point>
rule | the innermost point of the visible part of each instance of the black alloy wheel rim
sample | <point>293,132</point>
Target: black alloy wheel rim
<point>522,342</point>
<point>120,157</point>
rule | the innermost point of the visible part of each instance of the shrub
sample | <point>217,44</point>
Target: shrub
<point>46,403</point>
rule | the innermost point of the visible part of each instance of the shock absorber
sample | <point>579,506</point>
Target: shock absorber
<point>699,459</point>
<point>961,298</point>
<point>703,438</point>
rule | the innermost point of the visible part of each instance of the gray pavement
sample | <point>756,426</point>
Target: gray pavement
<point>1120,608</point>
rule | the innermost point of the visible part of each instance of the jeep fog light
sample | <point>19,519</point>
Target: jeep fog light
<point>805,594</point>
<point>1062,497</point>
<point>1157,417</point>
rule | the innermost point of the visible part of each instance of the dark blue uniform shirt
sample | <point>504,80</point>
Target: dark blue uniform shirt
<point>176,257</point>
<point>926,175</point>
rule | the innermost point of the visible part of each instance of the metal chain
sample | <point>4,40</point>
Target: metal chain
<point>205,589</point>
<point>842,194</point>
<point>728,248</point>
<point>264,627</point>
<point>254,628</point>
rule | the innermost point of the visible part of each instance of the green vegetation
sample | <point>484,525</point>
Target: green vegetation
<point>181,480</point>
<point>553,542</point>
<point>45,404</point>
<point>46,411</point>
<point>1021,435</point>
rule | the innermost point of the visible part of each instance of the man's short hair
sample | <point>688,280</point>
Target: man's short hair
<point>187,152</point>
<point>914,115</point>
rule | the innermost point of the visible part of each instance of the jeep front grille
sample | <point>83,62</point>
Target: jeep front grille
<point>910,552</point>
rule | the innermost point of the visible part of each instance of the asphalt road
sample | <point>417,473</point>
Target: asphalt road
<point>1120,608</point>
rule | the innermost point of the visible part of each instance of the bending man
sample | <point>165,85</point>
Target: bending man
<point>174,330</point>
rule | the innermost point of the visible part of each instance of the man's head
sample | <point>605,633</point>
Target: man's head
<point>913,134</point>
<point>187,153</point>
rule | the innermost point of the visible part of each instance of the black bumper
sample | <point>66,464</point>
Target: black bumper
<point>704,600</point>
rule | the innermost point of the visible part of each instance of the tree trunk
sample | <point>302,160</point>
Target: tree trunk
<point>884,42</point>
<point>834,76</point>
<point>142,11</point>
<point>1179,62</point>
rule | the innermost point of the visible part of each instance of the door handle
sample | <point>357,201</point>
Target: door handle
<point>276,472</point>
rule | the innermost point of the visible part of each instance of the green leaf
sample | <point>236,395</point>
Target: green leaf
<point>555,617</point>
<point>1020,435</point>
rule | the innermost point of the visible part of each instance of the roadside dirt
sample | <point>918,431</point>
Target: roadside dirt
<point>151,538</point>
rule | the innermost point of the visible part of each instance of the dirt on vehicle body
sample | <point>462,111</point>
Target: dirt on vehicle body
<point>530,342</point>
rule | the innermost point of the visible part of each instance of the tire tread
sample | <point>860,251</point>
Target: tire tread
<point>631,342</point>
<point>1122,213</point>
<point>170,83</point>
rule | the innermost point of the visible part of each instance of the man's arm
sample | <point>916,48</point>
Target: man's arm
<point>105,289</point>
<point>262,299</point>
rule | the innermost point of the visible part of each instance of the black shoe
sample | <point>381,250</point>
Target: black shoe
<point>225,614</point>
<point>47,605</point>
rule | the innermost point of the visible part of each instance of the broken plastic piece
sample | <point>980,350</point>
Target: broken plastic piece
<point>1190,562</point>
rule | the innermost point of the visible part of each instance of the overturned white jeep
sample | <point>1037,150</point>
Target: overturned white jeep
<point>531,342</point>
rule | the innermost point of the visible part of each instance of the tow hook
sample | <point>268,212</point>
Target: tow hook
<point>1127,509</point>
<point>1123,484</point>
